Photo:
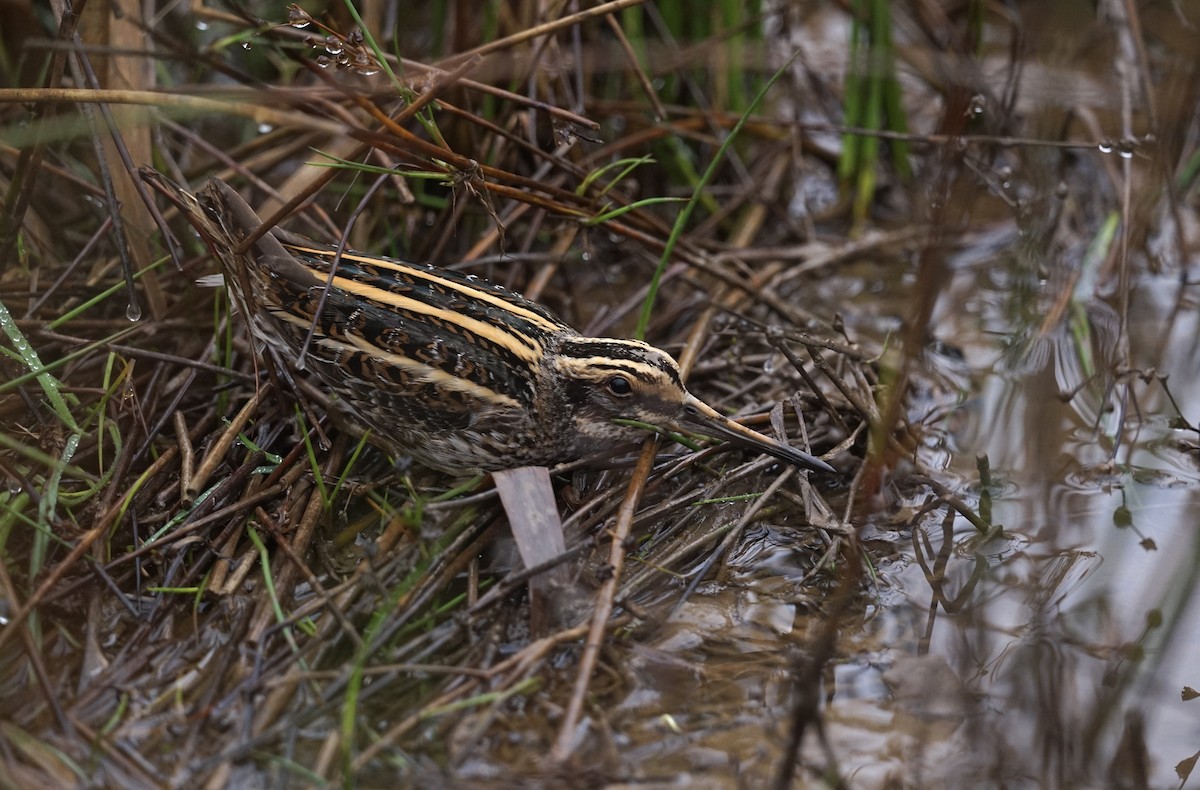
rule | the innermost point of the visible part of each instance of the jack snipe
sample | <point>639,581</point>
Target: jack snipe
<point>458,373</point>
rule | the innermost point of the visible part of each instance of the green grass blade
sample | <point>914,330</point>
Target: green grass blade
<point>682,220</point>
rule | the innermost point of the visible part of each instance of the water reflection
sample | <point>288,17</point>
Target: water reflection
<point>1054,651</point>
<point>1075,638</point>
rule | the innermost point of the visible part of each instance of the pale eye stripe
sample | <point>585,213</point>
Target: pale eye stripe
<point>523,346</point>
<point>532,316</point>
<point>421,370</point>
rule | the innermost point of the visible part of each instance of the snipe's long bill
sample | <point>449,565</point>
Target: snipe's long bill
<point>461,374</point>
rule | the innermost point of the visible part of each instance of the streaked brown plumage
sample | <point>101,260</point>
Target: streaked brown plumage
<point>461,374</point>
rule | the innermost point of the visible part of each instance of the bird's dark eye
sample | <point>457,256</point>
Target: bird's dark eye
<point>619,385</point>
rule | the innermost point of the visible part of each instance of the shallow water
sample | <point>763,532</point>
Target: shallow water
<point>1057,652</point>
<point>1084,626</point>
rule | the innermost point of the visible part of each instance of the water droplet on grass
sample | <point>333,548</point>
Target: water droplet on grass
<point>298,17</point>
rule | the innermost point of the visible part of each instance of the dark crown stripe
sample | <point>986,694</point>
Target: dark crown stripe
<point>608,352</point>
